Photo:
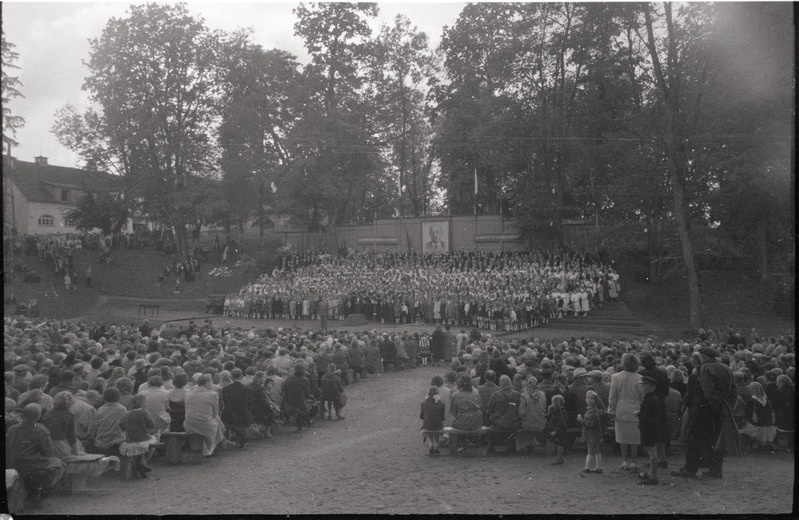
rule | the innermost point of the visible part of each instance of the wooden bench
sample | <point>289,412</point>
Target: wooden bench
<point>482,433</point>
<point>127,469</point>
<point>176,441</point>
<point>784,439</point>
<point>153,308</point>
<point>74,482</point>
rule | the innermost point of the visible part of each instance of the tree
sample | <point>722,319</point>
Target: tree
<point>336,166</point>
<point>261,92</point>
<point>10,90</point>
<point>153,75</point>
<point>402,66</point>
<point>102,211</point>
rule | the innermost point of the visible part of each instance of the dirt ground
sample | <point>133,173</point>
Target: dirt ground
<point>374,462</point>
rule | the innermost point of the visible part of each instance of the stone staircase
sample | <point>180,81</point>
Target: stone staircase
<point>611,317</point>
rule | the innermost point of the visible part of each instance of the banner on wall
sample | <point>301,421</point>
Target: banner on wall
<point>377,240</point>
<point>508,237</point>
<point>435,237</point>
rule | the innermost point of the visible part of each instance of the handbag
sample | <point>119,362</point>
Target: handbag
<point>343,399</point>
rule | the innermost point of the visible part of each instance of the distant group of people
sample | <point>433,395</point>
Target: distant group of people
<point>705,392</point>
<point>491,290</point>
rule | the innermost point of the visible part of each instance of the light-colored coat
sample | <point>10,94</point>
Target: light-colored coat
<point>626,395</point>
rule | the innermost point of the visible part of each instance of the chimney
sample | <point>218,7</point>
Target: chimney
<point>40,160</point>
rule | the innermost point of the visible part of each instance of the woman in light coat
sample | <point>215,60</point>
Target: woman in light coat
<point>202,414</point>
<point>624,402</point>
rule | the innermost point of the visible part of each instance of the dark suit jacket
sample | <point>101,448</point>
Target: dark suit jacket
<point>238,401</point>
<point>296,392</point>
<point>261,411</point>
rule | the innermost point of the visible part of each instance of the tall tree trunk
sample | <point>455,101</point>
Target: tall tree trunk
<point>689,257</point>
<point>182,241</point>
<point>762,249</point>
<point>650,243</point>
<point>676,151</point>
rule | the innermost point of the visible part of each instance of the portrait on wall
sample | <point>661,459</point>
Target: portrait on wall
<point>435,237</point>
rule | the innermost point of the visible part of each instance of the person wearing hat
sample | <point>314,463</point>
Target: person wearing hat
<point>650,369</point>
<point>29,450</point>
<point>712,431</point>
<point>547,385</point>
<point>651,423</point>
<point>580,387</point>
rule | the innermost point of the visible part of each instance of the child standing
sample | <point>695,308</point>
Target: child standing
<point>424,349</point>
<point>593,431</point>
<point>432,417</point>
<point>649,422</point>
<point>556,425</point>
<point>137,437</point>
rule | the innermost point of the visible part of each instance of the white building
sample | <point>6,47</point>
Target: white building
<point>37,196</point>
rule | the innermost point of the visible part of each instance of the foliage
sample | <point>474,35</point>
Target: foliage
<point>10,90</point>
<point>102,211</point>
<point>154,76</point>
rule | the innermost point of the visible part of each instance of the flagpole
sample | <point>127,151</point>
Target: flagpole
<point>475,191</point>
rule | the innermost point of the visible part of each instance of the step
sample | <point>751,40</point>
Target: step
<point>599,315</point>
<point>586,326</point>
<point>595,317</point>
<point>597,323</point>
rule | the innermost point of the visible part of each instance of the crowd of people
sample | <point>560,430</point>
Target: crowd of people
<point>84,388</point>
<point>113,390</point>
<point>709,392</point>
<point>502,291</point>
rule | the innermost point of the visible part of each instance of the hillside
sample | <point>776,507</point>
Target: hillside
<point>730,297</point>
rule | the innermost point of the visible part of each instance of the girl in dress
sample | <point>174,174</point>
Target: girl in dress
<point>593,431</point>
<point>759,419</point>
<point>138,440</point>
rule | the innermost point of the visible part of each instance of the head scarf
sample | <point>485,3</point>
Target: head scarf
<point>758,394</point>
<point>531,385</point>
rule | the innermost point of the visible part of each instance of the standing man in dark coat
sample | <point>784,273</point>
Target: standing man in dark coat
<point>449,345</point>
<point>712,399</point>
<point>356,353</point>
<point>437,345</point>
<point>238,403</point>
<point>388,351</point>
<point>296,393</point>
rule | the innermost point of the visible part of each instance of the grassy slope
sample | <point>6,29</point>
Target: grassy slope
<point>729,297</point>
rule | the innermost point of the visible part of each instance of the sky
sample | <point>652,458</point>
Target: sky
<point>52,40</point>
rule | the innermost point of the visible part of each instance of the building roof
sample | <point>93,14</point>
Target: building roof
<point>33,179</point>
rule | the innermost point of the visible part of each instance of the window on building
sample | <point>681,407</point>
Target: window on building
<point>69,222</point>
<point>65,195</point>
<point>47,220</point>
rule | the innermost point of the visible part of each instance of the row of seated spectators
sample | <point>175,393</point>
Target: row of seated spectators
<point>532,374</point>
<point>113,390</point>
<point>493,290</point>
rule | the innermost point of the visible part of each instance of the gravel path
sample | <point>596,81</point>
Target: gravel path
<point>374,462</point>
